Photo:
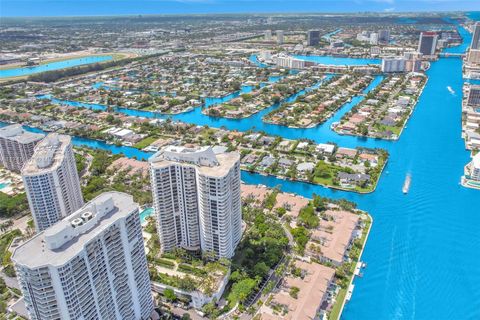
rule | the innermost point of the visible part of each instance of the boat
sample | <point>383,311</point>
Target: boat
<point>451,90</point>
<point>406,184</point>
<point>349,292</point>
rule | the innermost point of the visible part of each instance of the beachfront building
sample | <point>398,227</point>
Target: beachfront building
<point>51,181</point>
<point>427,43</point>
<point>90,265</point>
<point>196,195</point>
<point>16,146</point>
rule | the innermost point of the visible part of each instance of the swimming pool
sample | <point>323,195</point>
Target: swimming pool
<point>3,185</point>
<point>144,214</point>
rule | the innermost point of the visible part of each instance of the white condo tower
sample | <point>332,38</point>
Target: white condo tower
<point>90,265</point>
<point>196,195</point>
<point>51,181</point>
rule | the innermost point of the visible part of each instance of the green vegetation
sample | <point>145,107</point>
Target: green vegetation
<point>145,142</point>
<point>80,162</point>
<point>186,268</point>
<point>271,199</point>
<point>5,241</point>
<point>326,173</point>
<point>308,217</point>
<point>102,180</point>
<point>294,292</point>
<point>344,273</point>
<point>260,250</point>
<point>12,205</point>
<point>301,237</point>
<point>4,296</point>
<point>337,307</point>
<point>164,263</point>
<point>169,294</point>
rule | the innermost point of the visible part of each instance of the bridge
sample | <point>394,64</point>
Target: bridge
<point>451,55</point>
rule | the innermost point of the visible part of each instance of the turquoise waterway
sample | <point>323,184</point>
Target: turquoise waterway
<point>422,253</point>
<point>25,71</point>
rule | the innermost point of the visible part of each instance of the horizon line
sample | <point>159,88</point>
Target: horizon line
<point>240,14</point>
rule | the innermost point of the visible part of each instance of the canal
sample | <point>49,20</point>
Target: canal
<point>422,253</point>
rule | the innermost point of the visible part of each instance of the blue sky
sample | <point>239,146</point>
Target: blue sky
<point>113,7</point>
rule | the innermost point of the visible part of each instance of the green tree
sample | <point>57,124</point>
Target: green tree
<point>169,294</point>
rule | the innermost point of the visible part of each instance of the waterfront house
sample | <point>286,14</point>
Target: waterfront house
<point>347,179</point>
<point>343,153</point>
<point>266,162</point>
<point>305,167</point>
<point>325,148</point>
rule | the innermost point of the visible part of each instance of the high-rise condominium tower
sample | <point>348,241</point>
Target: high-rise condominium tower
<point>51,181</point>
<point>476,37</point>
<point>196,195</point>
<point>427,43</point>
<point>16,146</point>
<point>90,265</point>
<point>313,37</point>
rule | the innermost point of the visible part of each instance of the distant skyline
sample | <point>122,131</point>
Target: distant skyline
<point>26,8</point>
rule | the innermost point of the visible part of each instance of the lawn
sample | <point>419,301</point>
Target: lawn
<point>325,172</point>
<point>230,106</point>
<point>337,307</point>
<point>145,142</point>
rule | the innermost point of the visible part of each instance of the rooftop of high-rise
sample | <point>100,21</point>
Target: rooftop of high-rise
<point>203,159</point>
<point>61,242</point>
<point>48,154</point>
<point>15,132</point>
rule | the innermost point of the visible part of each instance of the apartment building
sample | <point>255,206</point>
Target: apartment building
<point>196,195</point>
<point>427,43</point>
<point>16,146</point>
<point>51,181</point>
<point>90,265</point>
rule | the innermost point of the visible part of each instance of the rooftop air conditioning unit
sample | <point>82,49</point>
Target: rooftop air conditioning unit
<point>77,222</point>
<point>87,216</point>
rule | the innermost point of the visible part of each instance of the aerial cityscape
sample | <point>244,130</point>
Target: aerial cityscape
<point>239,160</point>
